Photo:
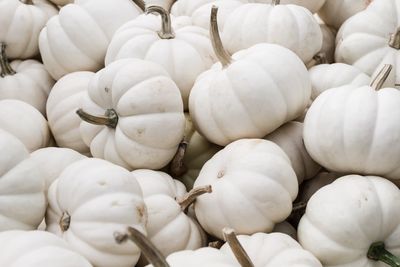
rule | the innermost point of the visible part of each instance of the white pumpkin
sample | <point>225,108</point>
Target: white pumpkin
<point>371,39</point>
<point>327,76</point>
<point>26,80</point>
<point>290,26</point>
<point>90,201</point>
<point>171,47</point>
<point>168,226</point>
<point>336,12</point>
<point>24,122</point>
<point>345,219</point>
<point>290,138</point>
<point>21,22</point>
<point>253,186</point>
<point>187,7</point>
<point>81,44</point>
<point>312,5</point>
<point>62,104</point>
<point>22,198</point>
<point>248,95</point>
<point>273,250</point>
<point>352,129</point>
<point>143,110</point>
<point>37,248</point>
<point>53,160</point>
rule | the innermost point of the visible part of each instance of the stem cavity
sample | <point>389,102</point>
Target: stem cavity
<point>237,249</point>
<point>377,252</point>
<point>394,40</point>
<point>4,63</point>
<point>381,77</point>
<point>190,197</point>
<point>151,253</point>
<point>166,28</point>
<point>219,50</point>
<point>110,119</point>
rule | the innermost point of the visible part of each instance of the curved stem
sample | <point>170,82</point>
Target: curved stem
<point>177,168</point>
<point>276,2</point>
<point>394,40</point>
<point>381,77</point>
<point>110,119</point>
<point>152,254</point>
<point>190,197</point>
<point>65,221</point>
<point>318,59</point>
<point>219,50</point>
<point>141,4</point>
<point>166,28</point>
<point>4,63</point>
<point>237,249</point>
<point>377,252</point>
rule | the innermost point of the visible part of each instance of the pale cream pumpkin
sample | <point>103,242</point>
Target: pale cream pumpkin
<point>168,226</point>
<point>312,5</point>
<point>64,99</point>
<point>88,203</point>
<point>351,218</point>
<point>24,122</point>
<point>37,248</point>
<point>336,12</point>
<point>290,138</point>
<point>22,198</point>
<point>139,118</point>
<point>327,76</point>
<point>26,80</point>
<point>21,22</point>
<point>248,95</point>
<point>170,47</point>
<point>77,38</point>
<point>371,38</point>
<point>352,129</point>
<point>290,26</point>
<point>253,186</point>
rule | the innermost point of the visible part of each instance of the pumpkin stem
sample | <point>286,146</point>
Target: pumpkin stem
<point>276,2</point>
<point>141,4</point>
<point>381,77</point>
<point>394,40</point>
<point>26,2</point>
<point>191,196</point>
<point>219,50</point>
<point>65,221</point>
<point>110,119</point>
<point>166,28</point>
<point>377,252</point>
<point>298,206</point>
<point>151,253</point>
<point>4,63</point>
<point>318,59</point>
<point>237,249</point>
<point>177,168</point>
<point>215,244</point>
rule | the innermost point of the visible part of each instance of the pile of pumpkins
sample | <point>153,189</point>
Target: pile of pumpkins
<point>202,133</point>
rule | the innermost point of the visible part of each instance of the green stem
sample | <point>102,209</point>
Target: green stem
<point>237,248</point>
<point>381,77</point>
<point>5,66</point>
<point>151,253</point>
<point>377,252</point>
<point>219,50</point>
<point>110,119</point>
<point>394,40</point>
<point>191,196</point>
<point>166,28</point>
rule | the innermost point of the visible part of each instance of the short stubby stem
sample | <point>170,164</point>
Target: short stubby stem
<point>152,254</point>
<point>216,41</point>
<point>378,81</point>
<point>190,197</point>
<point>65,222</point>
<point>166,24</point>
<point>318,59</point>
<point>394,40</point>
<point>177,167</point>
<point>110,119</point>
<point>237,249</point>
<point>5,66</point>
<point>378,252</point>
